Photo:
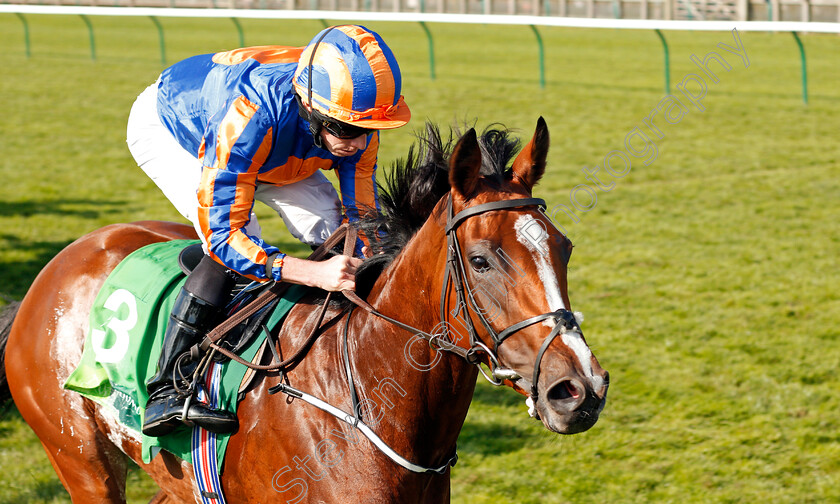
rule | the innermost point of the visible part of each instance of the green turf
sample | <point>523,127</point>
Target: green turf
<point>708,277</point>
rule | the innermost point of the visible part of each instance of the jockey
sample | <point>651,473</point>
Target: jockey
<point>218,131</point>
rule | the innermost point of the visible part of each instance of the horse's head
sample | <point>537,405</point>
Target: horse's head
<point>507,287</point>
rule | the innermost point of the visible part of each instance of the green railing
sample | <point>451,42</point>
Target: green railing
<point>422,18</point>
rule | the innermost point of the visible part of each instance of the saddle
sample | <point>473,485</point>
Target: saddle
<point>251,310</point>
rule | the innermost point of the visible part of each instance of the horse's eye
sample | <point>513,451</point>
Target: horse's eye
<point>479,264</point>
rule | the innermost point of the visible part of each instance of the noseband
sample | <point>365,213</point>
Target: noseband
<point>455,274</point>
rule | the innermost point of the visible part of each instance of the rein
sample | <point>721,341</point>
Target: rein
<point>454,275</point>
<point>275,291</point>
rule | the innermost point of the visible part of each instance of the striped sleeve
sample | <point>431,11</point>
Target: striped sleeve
<point>235,146</point>
<point>357,181</point>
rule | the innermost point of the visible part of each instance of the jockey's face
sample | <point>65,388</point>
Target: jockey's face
<point>343,147</point>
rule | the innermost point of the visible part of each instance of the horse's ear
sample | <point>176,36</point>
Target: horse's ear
<point>465,165</point>
<point>529,165</point>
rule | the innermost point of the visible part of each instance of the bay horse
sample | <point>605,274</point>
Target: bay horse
<point>459,248</point>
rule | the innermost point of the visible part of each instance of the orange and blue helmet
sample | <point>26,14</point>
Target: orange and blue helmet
<point>349,74</point>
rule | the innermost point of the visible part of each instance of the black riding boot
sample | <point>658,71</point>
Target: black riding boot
<point>191,317</point>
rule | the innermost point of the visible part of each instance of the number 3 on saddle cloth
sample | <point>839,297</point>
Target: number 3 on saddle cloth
<point>127,324</point>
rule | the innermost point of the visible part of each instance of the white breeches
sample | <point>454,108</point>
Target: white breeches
<point>310,208</point>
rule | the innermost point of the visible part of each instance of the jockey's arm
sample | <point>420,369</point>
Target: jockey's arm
<point>335,274</point>
<point>226,196</point>
<point>357,185</point>
<point>357,181</point>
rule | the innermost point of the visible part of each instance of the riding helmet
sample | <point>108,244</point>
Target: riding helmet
<point>349,74</point>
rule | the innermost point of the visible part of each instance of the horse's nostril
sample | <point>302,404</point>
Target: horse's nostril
<point>565,392</point>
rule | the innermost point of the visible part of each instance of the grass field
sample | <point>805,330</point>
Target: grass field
<point>709,277</point>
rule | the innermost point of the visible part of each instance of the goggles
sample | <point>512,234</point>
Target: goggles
<point>342,130</point>
<point>334,127</point>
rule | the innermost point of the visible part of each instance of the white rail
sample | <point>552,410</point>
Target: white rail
<point>492,19</point>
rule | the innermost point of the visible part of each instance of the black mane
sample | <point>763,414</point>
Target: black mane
<point>414,185</point>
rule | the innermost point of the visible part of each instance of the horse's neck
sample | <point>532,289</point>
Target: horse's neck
<point>438,386</point>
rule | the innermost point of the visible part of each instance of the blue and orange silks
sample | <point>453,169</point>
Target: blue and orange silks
<point>237,113</point>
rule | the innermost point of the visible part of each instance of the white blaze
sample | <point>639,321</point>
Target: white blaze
<point>574,341</point>
<point>532,233</point>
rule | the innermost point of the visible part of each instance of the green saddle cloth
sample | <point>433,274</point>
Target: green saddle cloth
<point>127,323</point>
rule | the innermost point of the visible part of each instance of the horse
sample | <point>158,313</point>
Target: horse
<point>463,255</point>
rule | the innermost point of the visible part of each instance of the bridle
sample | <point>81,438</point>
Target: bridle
<point>455,275</point>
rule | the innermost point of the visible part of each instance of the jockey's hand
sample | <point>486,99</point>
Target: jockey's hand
<point>335,274</point>
<point>338,273</point>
